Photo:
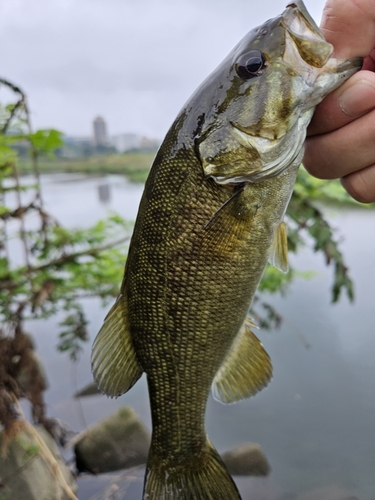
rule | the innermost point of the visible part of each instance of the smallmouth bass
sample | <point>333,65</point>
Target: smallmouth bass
<point>210,218</point>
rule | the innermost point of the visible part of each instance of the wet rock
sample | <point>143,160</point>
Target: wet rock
<point>332,492</point>
<point>118,442</point>
<point>32,468</point>
<point>247,460</point>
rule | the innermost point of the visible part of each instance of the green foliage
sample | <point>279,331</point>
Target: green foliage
<point>46,141</point>
<point>309,219</point>
<point>135,165</point>
<point>74,332</point>
<point>311,188</point>
<point>61,266</point>
<point>305,219</point>
<point>64,266</point>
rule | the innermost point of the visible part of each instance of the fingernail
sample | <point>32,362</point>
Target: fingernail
<point>358,99</point>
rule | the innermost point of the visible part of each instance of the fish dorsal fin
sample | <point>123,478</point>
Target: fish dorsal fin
<point>279,249</point>
<point>114,362</point>
<point>246,369</point>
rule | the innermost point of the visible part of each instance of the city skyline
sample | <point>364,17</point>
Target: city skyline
<point>100,138</point>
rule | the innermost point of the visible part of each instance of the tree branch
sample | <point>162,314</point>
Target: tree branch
<point>8,285</point>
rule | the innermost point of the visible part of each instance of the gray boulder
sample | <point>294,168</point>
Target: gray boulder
<point>32,468</point>
<point>117,442</point>
<point>247,460</point>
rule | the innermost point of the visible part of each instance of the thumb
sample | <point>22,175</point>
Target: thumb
<point>350,26</point>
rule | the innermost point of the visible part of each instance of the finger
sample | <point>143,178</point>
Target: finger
<point>353,99</point>
<point>361,185</point>
<point>369,62</point>
<point>343,151</point>
<point>350,26</point>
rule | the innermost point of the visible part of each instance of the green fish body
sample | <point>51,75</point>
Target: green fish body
<point>210,218</point>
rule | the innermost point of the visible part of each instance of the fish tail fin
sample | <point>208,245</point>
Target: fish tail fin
<point>203,477</point>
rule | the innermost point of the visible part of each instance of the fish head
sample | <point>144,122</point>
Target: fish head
<point>258,103</point>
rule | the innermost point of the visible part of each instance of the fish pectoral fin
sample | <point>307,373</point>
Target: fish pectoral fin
<point>246,369</point>
<point>114,362</point>
<point>279,249</point>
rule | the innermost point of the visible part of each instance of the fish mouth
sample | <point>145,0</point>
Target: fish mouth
<point>300,6</point>
<point>307,52</point>
<point>305,35</point>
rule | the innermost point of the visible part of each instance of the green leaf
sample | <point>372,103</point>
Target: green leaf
<point>46,141</point>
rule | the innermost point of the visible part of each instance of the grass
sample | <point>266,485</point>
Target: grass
<point>134,165</point>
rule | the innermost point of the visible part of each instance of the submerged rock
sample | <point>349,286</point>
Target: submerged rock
<point>32,468</point>
<point>247,460</point>
<point>118,442</point>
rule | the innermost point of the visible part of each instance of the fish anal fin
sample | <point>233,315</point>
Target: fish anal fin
<point>279,249</point>
<point>246,370</point>
<point>114,362</point>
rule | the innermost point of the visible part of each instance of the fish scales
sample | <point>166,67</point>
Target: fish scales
<point>210,218</point>
<point>200,262</point>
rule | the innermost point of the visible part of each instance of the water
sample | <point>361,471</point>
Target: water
<point>315,421</point>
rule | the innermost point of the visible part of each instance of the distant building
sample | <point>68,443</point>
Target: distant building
<point>147,143</point>
<point>126,142</point>
<point>76,147</point>
<point>100,132</point>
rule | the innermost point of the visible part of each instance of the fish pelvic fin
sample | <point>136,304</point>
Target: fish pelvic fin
<point>279,249</point>
<point>246,370</point>
<point>113,360</point>
<point>203,477</point>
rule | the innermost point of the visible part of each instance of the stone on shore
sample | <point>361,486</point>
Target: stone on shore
<point>32,468</point>
<point>247,460</point>
<point>117,442</point>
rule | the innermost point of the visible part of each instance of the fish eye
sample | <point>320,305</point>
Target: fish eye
<point>250,64</point>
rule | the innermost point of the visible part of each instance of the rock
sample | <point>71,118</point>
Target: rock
<point>247,460</point>
<point>32,467</point>
<point>118,442</point>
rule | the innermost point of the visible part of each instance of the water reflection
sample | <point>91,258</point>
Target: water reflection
<point>104,192</point>
<point>315,422</point>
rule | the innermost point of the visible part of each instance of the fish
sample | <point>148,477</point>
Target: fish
<point>210,218</point>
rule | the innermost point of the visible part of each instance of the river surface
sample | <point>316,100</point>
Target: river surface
<point>315,421</point>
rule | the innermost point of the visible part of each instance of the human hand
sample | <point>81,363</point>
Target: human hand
<point>341,136</point>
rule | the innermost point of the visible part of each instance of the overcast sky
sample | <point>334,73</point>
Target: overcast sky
<point>134,62</point>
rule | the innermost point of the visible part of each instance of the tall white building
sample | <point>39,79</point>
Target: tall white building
<point>100,132</point>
